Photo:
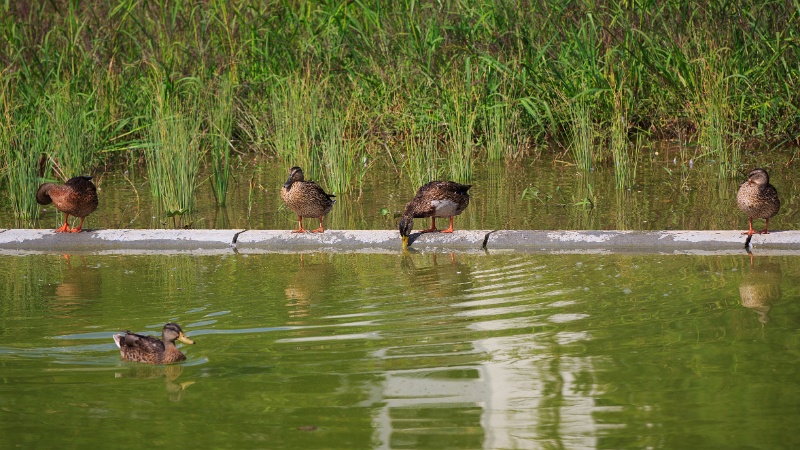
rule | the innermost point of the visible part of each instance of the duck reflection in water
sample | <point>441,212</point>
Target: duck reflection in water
<point>441,279</point>
<point>761,287</point>
<point>170,373</point>
<point>306,286</point>
<point>80,284</point>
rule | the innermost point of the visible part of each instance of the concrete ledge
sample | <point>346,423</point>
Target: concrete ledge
<point>24,241</point>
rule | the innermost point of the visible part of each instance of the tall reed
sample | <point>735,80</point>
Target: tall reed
<point>294,110</point>
<point>713,112</point>
<point>219,108</point>
<point>460,112</point>
<point>340,149</point>
<point>423,160</point>
<point>624,157</point>
<point>501,130</point>
<point>20,148</point>
<point>25,143</point>
<point>582,142</point>
<point>73,130</point>
<point>173,153</point>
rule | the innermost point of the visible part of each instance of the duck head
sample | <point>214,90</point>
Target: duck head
<point>172,332</point>
<point>295,174</point>
<point>405,227</point>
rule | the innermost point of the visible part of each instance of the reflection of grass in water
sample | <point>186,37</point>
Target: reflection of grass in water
<point>496,193</point>
<point>583,203</point>
<point>631,212</point>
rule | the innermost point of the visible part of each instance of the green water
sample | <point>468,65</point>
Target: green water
<point>421,351</point>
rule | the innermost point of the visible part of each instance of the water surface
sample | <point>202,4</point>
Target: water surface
<point>416,351</point>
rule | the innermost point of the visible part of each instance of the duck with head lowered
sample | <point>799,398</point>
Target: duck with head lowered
<point>306,199</point>
<point>77,197</point>
<point>434,199</point>
<point>151,350</point>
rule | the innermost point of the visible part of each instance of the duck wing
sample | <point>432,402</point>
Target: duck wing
<point>147,344</point>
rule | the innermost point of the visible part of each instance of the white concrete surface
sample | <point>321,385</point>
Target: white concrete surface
<point>23,241</point>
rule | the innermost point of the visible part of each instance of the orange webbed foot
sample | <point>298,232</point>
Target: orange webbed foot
<point>320,229</point>
<point>450,229</point>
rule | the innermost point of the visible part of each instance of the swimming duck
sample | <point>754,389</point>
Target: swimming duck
<point>151,350</point>
<point>434,199</point>
<point>77,197</point>
<point>306,199</point>
<point>758,199</point>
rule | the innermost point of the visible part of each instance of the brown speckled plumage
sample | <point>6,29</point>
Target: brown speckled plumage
<point>77,197</point>
<point>151,350</point>
<point>306,199</point>
<point>758,199</point>
<point>434,199</point>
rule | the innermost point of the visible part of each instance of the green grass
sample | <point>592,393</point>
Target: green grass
<point>625,157</point>
<point>460,110</point>
<point>582,146</point>
<point>491,77</point>
<point>422,162</point>
<point>220,109</point>
<point>26,143</point>
<point>173,151</point>
<point>340,150</point>
<point>294,109</point>
<point>73,130</point>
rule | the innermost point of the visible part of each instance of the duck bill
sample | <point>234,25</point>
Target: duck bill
<point>185,340</point>
<point>405,242</point>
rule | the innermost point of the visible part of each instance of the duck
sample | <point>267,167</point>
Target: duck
<point>434,199</point>
<point>758,199</point>
<point>306,199</point>
<point>151,350</point>
<point>77,197</point>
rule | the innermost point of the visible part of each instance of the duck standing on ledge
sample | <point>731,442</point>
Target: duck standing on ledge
<point>758,199</point>
<point>77,197</point>
<point>151,350</point>
<point>306,199</point>
<point>434,199</point>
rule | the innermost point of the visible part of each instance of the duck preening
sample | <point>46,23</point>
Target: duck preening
<point>77,197</point>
